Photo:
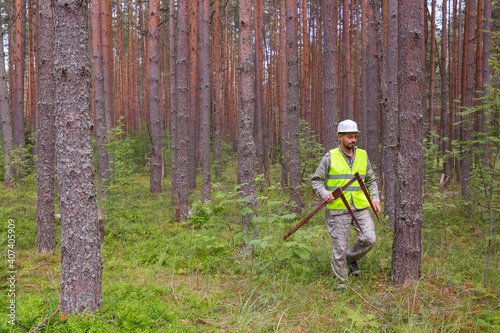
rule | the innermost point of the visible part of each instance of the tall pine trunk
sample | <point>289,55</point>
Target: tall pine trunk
<point>372,97</point>
<point>46,233</point>
<point>468,99</point>
<point>285,165</point>
<point>407,245</point>
<point>246,109</point>
<point>18,73</point>
<point>6,119</point>
<point>293,103</point>
<point>432,74</point>
<point>182,112</point>
<point>390,136</point>
<point>155,166</point>
<point>443,67</point>
<point>331,87</point>
<point>347,112</point>
<point>97,67</point>
<point>204,68</point>
<point>173,104</point>
<point>217,56</point>
<point>81,261</point>
<point>193,93</point>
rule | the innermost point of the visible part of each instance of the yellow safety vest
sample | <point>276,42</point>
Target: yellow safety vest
<point>340,173</point>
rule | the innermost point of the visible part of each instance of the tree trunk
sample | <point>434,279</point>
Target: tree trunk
<point>468,99</point>
<point>155,166</point>
<point>372,97</point>
<point>182,112</point>
<point>32,98</point>
<point>347,112</point>
<point>246,109</point>
<point>217,56</point>
<point>293,103</point>
<point>97,66</point>
<point>330,71</point>
<point>479,63</point>
<point>453,77</point>
<point>432,74</point>
<point>390,137</point>
<point>108,68</point>
<point>81,261</point>
<point>18,102</point>
<point>445,133</point>
<point>204,68</point>
<point>407,245</point>
<point>305,72</point>
<point>486,52</point>
<point>173,104</point>
<point>285,165</point>
<point>193,93</point>
<point>5,114</point>
<point>364,70</point>
<point>46,234</point>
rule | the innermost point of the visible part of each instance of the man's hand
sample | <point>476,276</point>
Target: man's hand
<point>329,198</point>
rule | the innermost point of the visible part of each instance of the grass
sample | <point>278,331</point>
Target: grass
<point>164,276</point>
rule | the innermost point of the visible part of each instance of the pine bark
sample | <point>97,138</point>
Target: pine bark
<point>468,99</point>
<point>306,67</point>
<point>285,166</point>
<point>479,62</point>
<point>217,56</point>
<point>347,112</point>
<point>445,131</point>
<point>372,97</point>
<point>432,74</point>
<point>486,52</point>
<point>155,166</point>
<point>293,103</point>
<point>204,68</point>
<point>193,93</point>
<point>173,104</point>
<point>32,95</point>
<point>81,261</point>
<point>45,168</point>
<point>331,87</point>
<point>246,109</point>
<point>453,76</point>
<point>390,123</point>
<point>19,57</point>
<point>182,112</point>
<point>259,116</point>
<point>407,245</point>
<point>108,69</point>
<point>6,119</point>
<point>98,70</point>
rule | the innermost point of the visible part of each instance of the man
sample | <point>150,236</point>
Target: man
<point>337,167</point>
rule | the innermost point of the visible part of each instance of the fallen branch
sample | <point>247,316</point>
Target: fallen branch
<point>46,319</point>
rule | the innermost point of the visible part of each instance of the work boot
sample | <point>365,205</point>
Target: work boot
<point>354,269</point>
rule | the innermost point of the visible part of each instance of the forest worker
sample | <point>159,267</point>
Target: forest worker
<point>337,167</point>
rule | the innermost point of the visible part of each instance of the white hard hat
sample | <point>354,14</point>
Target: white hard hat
<point>347,126</point>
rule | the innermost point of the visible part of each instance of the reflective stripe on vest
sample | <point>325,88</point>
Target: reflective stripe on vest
<point>340,173</point>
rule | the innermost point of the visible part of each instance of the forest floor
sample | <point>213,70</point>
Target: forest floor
<point>164,276</point>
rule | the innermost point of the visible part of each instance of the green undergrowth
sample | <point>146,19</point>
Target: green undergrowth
<point>163,276</point>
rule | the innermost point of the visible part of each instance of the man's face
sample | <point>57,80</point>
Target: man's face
<point>348,140</point>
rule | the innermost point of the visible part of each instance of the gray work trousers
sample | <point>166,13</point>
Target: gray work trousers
<point>338,227</point>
